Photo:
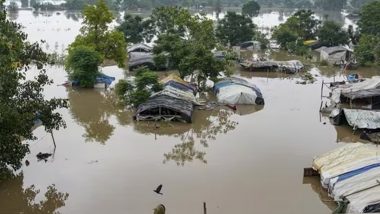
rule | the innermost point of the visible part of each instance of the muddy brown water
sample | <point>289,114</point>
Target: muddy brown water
<point>248,161</point>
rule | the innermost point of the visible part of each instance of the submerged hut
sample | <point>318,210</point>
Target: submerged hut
<point>167,108</point>
<point>336,55</point>
<point>291,66</point>
<point>238,91</point>
<point>174,103</point>
<point>351,175</point>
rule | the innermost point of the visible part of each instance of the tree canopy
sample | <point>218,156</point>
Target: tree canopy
<point>136,29</point>
<point>251,8</point>
<point>332,34</point>
<point>368,49</point>
<point>369,22</point>
<point>300,27</point>
<point>95,33</point>
<point>234,29</point>
<point>82,65</point>
<point>22,100</point>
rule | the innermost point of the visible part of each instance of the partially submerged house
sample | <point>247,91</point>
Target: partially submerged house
<point>164,107</point>
<point>291,66</point>
<point>366,93</point>
<point>337,55</point>
<point>144,59</point>
<point>174,103</point>
<point>250,45</point>
<point>356,118</point>
<point>237,91</point>
<point>351,175</point>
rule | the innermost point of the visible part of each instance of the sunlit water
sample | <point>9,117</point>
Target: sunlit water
<point>249,161</point>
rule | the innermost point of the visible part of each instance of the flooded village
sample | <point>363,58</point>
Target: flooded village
<point>166,125</point>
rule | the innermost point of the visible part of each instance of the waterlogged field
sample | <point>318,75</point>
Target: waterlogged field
<point>248,161</point>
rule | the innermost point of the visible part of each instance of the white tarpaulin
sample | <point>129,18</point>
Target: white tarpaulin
<point>344,159</point>
<point>355,184</point>
<point>362,199</point>
<point>236,94</point>
<point>362,119</point>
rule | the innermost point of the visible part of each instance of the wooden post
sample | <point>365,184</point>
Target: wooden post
<point>204,208</point>
<point>323,82</point>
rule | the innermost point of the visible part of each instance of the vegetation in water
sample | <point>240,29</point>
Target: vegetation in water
<point>133,93</point>
<point>95,33</point>
<point>22,100</point>
<point>82,65</point>
<point>234,29</point>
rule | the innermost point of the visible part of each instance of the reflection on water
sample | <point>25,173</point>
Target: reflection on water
<point>216,123</point>
<point>316,186</point>
<point>207,126</point>
<point>14,198</point>
<point>92,109</point>
<point>255,154</point>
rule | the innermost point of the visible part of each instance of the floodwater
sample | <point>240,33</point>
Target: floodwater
<point>248,161</point>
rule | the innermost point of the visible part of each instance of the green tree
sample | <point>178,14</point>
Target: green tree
<point>202,61</point>
<point>367,51</point>
<point>171,19</point>
<point>82,65</point>
<point>136,29</point>
<point>234,29</point>
<point>369,22</point>
<point>251,8</point>
<point>22,100</point>
<point>332,34</point>
<point>332,5</point>
<point>137,92</point>
<point>299,27</point>
<point>95,33</point>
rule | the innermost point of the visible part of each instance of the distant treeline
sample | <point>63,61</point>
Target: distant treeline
<point>216,5</point>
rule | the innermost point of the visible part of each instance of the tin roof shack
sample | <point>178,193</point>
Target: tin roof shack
<point>369,98</point>
<point>356,118</point>
<point>337,55</point>
<point>144,59</point>
<point>163,107</point>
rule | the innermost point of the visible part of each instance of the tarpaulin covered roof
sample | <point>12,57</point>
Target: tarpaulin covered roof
<point>177,93</point>
<point>165,107</point>
<point>234,90</point>
<point>175,81</point>
<point>351,173</point>
<point>345,159</point>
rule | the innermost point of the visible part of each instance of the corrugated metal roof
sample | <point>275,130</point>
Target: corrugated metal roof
<point>362,119</point>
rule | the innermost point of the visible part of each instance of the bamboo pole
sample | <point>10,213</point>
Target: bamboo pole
<point>204,208</point>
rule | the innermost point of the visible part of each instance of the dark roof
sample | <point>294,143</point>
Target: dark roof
<point>362,94</point>
<point>182,108</point>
